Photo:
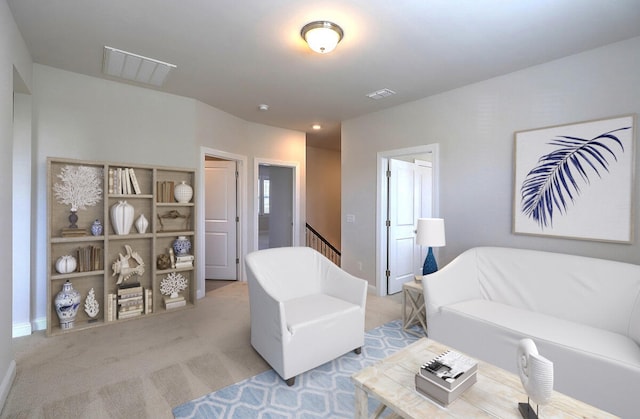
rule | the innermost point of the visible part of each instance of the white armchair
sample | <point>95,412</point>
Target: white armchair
<point>305,310</point>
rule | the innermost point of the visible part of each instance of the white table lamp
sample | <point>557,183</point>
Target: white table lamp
<point>430,232</point>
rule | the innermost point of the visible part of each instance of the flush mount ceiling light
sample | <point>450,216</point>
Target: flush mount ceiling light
<point>134,67</point>
<point>322,36</point>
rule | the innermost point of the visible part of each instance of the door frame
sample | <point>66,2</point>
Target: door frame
<point>241,165</point>
<point>382,197</point>
<point>295,166</point>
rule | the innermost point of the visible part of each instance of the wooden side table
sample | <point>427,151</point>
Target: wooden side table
<point>414,312</point>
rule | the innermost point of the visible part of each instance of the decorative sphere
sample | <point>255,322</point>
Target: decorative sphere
<point>66,264</point>
<point>183,193</point>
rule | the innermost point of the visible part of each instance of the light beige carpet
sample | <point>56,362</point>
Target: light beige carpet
<point>143,368</point>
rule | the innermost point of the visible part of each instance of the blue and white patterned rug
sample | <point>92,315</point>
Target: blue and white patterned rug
<point>324,392</point>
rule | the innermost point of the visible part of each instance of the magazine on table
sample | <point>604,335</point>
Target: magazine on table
<point>446,377</point>
<point>449,369</point>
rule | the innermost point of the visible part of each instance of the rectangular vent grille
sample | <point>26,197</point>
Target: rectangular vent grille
<point>381,94</point>
<point>134,67</point>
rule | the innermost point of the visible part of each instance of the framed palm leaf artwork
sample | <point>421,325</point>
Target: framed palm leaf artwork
<point>576,181</point>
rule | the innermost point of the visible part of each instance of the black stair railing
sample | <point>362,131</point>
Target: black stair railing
<point>315,241</point>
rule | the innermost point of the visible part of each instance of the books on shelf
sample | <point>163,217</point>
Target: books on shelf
<point>73,232</point>
<point>187,264</point>
<point>164,191</point>
<point>175,302</point>
<point>446,376</point>
<point>112,307</point>
<point>89,258</point>
<point>130,301</point>
<point>148,301</point>
<point>123,181</point>
<point>134,182</point>
<point>182,261</point>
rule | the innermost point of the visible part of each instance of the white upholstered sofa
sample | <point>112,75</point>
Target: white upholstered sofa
<point>582,313</point>
<point>305,310</point>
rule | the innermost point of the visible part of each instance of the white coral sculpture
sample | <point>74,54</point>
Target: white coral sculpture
<point>91,305</point>
<point>173,284</point>
<point>80,187</point>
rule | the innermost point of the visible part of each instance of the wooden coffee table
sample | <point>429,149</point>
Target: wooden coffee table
<point>495,395</point>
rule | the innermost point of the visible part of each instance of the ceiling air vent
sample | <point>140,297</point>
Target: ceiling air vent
<point>381,94</point>
<point>134,67</point>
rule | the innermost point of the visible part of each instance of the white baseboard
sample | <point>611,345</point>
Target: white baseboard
<point>25,329</point>
<point>21,329</point>
<point>39,324</point>
<point>7,382</point>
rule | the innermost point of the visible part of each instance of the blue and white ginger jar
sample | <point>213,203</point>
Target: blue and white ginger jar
<point>181,246</point>
<point>96,228</point>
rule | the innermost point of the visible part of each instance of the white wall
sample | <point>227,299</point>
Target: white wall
<point>220,131</point>
<point>15,70</point>
<point>22,192</point>
<point>82,117</point>
<point>475,126</point>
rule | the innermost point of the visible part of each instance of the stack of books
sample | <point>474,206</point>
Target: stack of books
<point>184,261</point>
<point>174,302</point>
<point>446,377</point>
<point>73,232</point>
<point>130,302</point>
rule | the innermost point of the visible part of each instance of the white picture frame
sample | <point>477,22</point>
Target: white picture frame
<point>576,181</point>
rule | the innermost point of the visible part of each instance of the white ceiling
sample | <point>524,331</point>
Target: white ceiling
<point>237,54</point>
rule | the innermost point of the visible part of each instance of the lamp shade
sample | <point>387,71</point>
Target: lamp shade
<point>322,36</point>
<point>430,232</point>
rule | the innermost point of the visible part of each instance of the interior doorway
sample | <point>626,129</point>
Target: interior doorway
<point>275,206</point>
<point>409,197</point>
<point>231,255</point>
<point>221,219</point>
<point>401,199</point>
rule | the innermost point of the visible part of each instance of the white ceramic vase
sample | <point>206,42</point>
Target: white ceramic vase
<point>142,224</point>
<point>183,193</point>
<point>122,217</point>
<point>66,264</point>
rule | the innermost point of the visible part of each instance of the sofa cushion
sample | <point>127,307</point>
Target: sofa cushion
<point>595,292</point>
<point>313,309</point>
<point>577,337</point>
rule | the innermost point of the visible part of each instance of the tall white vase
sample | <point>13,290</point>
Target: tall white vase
<point>122,217</point>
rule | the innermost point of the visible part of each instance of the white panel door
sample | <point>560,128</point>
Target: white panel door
<point>404,204</point>
<point>220,220</point>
